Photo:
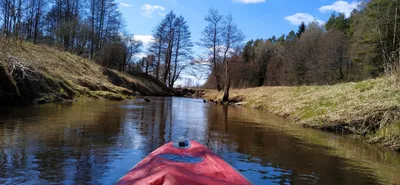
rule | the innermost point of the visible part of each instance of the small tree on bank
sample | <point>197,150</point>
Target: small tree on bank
<point>231,37</point>
<point>212,40</point>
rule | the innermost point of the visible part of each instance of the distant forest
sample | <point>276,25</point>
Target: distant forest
<point>361,46</point>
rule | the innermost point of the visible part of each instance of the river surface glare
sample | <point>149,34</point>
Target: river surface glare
<point>98,142</point>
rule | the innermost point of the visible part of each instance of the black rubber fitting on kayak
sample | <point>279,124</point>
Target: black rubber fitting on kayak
<point>183,144</point>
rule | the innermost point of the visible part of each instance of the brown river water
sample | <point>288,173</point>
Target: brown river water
<point>98,142</point>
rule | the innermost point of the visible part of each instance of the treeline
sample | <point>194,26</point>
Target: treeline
<point>170,52</point>
<point>92,28</point>
<point>364,45</point>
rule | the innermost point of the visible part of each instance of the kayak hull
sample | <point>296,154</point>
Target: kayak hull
<point>194,165</point>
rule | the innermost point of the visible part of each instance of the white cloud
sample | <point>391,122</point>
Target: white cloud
<point>146,40</point>
<point>148,9</point>
<point>139,56</point>
<point>297,18</point>
<point>123,4</point>
<point>340,6</point>
<point>249,1</point>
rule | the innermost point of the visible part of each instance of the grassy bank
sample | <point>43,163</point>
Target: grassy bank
<point>38,74</point>
<point>369,109</point>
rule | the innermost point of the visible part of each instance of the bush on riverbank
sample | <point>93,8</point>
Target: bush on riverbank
<point>38,74</point>
<point>369,108</point>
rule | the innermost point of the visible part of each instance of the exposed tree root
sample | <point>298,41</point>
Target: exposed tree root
<point>19,71</point>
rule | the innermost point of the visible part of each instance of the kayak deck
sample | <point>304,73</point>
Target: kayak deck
<point>194,165</point>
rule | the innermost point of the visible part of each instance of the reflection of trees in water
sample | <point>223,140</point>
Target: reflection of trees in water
<point>71,143</point>
<point>50,162</point>
<point>12,161</point>
<point>217,128</point>
<point>152,124</point>
<point>164,114</point>
<point>3,164</point>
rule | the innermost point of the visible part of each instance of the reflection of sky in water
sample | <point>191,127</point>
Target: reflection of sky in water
<point>131,107</point>
<point>190,119</point>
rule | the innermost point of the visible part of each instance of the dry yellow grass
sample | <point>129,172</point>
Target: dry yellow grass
<point>370,108</point>
<point>82,76</point>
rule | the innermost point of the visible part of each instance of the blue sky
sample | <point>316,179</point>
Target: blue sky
<point>256,18</point>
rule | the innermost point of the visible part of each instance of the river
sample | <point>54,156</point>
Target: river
<point>97,142</point>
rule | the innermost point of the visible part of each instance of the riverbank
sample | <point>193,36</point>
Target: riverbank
<point>31,74</point>
<point>369,109</point>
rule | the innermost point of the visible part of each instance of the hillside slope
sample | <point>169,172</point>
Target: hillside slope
<point>39,74</point>
<point>369,108</point>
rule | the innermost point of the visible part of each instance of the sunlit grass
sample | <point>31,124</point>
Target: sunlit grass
<point>79,76</point>
<point>390,132</point>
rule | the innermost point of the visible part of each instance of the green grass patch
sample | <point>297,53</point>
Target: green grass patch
<point>390,132</point>
<point>365,85</point>
<point>310,112</point>
<point>108,95</point>
<point>300,89</point>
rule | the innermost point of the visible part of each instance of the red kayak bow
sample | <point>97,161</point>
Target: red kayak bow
<point>183,163</point>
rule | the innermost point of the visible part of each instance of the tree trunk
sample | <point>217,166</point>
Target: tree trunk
<point>19,19</point>
<point>166,67</point>
<point>29,28</point>
<point>92,31</point>
<point>168,57</point>
<point>147,66</point>
<point>101,25</point>
<point>37,22</point>
<point>217,77</point>
<point>394,33</point>
<point>158,60</point>
<point>173,78</point>
<point>227,83</point>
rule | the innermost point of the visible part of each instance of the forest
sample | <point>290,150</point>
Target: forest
<point>362,46</point>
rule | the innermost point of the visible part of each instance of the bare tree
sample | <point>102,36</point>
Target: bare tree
<point>172,42</point>
<point>149,63</point>
<point>183,49</point>
<point>231,37</point>
<point>12,17</point>
<point>170,36</point>
<point>131,48</point>
<point>211,39</point>
<point>157,45</point>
